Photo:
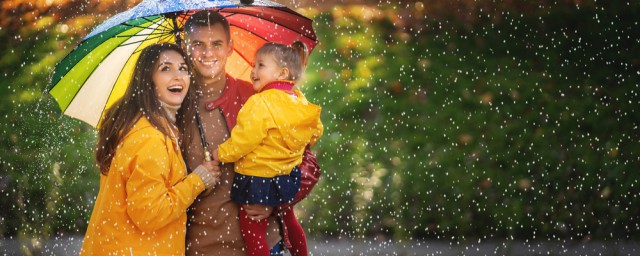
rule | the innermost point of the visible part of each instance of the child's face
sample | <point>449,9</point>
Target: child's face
<point>266,70</point>
<point>171,78</point>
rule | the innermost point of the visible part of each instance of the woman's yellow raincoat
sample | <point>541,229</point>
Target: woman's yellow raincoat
<point>141,208</point>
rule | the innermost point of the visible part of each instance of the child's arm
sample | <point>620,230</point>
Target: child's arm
<point>251,128</point>
<point>319,131</point>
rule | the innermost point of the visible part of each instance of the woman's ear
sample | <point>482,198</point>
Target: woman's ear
<point>283,74</point>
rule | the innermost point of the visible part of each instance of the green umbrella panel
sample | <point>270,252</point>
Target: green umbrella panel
<point>96,74</point>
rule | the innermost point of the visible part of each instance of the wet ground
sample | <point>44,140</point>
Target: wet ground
<point>331,247</point>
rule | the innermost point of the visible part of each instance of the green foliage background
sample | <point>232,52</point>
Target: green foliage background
<point>525,127</point>
<point>522,125</point>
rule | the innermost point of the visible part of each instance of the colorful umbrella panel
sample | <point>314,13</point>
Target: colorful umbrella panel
<point>96,74</point>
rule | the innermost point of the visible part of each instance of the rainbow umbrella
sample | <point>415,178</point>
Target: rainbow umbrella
<point>97,72</point>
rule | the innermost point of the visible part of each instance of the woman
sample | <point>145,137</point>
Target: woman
<point>145,191</point>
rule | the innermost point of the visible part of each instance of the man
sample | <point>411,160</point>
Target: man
<point>213,227</point>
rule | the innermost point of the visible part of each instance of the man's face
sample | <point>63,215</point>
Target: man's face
<point>208,48</point>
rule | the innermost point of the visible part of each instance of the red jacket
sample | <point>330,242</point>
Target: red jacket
<point>234,95</point>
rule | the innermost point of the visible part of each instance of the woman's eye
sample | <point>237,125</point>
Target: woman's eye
<point>164,68</point>
<point>183,68</point>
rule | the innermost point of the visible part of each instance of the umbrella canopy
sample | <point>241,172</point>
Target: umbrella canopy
<point>96,73</point>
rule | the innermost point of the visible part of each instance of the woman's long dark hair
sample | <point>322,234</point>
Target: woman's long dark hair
<point>139,100</point>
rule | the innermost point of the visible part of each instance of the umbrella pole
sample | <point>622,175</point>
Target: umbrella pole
<point>207,154</point>
<point>203,139</point>
<point>176,31</point>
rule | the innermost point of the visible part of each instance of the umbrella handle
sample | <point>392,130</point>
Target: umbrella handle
<point>207,157</point>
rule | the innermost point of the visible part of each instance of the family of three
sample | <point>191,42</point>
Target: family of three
<point>154,174</point>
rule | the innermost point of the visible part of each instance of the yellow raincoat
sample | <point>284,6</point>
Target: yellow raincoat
<point>271,133</point>
<point>141,208</point>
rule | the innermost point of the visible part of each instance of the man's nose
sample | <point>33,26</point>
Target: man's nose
<point>208,50</point>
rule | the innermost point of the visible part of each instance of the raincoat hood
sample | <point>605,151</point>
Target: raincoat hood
<point>298,120</point>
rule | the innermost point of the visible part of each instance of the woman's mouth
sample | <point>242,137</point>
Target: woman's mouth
<point>175,88</point>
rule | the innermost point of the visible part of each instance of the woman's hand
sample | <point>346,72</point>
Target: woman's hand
<point>209,172</point>
<point>214,168</point>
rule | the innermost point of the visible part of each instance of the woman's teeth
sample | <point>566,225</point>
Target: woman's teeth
<point>175,88</point>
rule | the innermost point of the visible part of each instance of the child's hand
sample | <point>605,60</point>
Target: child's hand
<point>215,155</point>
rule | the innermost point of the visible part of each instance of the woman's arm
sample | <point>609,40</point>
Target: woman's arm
<point>152,201</point>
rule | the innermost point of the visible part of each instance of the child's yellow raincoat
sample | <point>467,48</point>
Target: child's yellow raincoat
<point>271,133</point>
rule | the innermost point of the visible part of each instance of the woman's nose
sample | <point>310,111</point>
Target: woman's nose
<point>179,74</point>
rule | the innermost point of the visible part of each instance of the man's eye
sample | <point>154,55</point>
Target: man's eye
<point>196,45</point>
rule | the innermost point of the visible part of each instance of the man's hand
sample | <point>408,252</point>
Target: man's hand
<point>257,212</point>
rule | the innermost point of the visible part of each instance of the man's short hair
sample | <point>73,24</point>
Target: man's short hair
<point>207,18</point>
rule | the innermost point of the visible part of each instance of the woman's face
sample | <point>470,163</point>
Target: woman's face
<point>171,78</point>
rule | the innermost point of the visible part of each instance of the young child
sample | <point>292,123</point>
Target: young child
<point>273,128</point>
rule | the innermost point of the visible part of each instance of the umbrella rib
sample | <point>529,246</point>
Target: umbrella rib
<point>138,26</point>
<point>145,39</point>
<point>159,22</point>
<point>253,33</point>
<point>149,34</point>
<point>161,38</point>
